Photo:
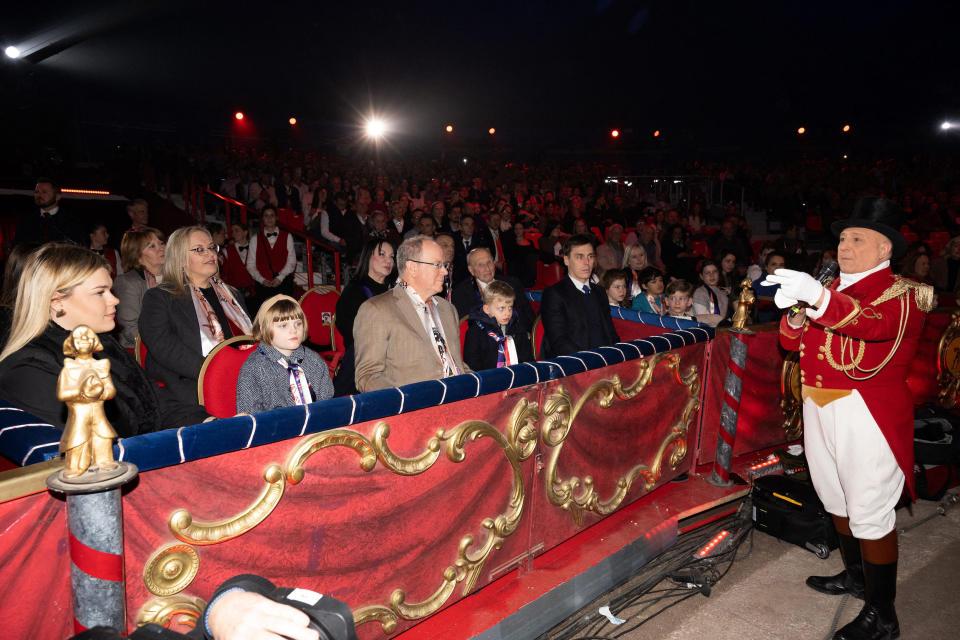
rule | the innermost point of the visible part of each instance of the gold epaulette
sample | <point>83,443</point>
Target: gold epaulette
<point>923,293</point>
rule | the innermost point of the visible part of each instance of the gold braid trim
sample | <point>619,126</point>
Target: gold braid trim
<point>923,293</point>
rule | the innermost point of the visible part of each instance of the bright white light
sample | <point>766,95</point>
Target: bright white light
<point>947,125</point>
<point>464,161</point>
<point>376,128</point>
<point>12,52</point>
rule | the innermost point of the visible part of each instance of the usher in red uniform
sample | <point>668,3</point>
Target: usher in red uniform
<point>865,341</point>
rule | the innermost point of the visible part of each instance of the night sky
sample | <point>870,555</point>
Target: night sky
<point>540,72</point>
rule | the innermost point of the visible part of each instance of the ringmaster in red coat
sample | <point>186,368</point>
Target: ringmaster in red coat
<point>856,340</point>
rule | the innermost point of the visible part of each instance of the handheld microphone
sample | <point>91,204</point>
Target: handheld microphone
<point>825,274</point>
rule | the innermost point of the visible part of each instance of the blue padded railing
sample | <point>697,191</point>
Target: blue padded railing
<point>32,442</point>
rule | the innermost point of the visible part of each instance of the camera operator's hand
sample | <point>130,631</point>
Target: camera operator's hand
<point>244,615</point>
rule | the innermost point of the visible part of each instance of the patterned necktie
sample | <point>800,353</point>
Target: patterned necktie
<point>299,386</point>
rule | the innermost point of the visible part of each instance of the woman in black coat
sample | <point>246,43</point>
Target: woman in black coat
<point>63,287</point>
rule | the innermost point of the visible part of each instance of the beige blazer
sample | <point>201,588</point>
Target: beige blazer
<point>392,347</point>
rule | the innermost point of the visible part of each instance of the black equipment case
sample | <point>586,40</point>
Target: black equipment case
<point>790,510</point>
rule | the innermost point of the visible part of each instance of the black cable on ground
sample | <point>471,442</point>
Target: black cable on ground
<point>677,561</point>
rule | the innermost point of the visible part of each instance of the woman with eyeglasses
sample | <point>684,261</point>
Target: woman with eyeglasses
<point>378,267</point>
<point>64,286</point>
<point>187,315</point>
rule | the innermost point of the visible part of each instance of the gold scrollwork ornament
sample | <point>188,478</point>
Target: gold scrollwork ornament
<point>517,444</point>
<point>171,569</point>
<point>171,610</point>
<point>791,402</point>
<point>560,413</point>
<point>948,361</point>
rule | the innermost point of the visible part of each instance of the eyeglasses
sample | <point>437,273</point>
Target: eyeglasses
<point>435,265</point>
<point>214,249</point>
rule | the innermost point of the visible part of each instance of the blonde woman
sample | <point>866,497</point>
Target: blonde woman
<point>634,261</point>
<point>188,314</point>
<point>63,287</point>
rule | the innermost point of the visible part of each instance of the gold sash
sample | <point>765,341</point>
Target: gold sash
<point>822,397</point>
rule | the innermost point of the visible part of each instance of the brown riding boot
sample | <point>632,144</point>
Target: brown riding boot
<point>878,618</point>
<point>850,580</point>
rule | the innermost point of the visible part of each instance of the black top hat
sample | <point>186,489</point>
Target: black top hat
<point>879,214</point>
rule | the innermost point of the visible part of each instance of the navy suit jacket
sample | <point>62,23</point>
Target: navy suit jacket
<point>565,328</point>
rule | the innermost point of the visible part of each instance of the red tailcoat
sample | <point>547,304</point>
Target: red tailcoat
<point>233,270</point>
<point>877,318</point>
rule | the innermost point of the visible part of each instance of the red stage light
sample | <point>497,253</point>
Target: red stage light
<point>846,128</point>
<point>802,130</point>
<point>292,121</point>
<point>449,128</point>
<point>491,131</point>
<point>238,115</point>
<point>615,133</point>
<point>656,134</point>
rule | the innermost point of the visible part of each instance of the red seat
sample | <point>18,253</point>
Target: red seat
<point>938,240</point>
<point>464,323</point>
<point>335,355</point>
<point>910,237</point>
<point>290,218</point>
<point>814,223</point>
<point>217,384</point>
<point>319,305</point>
<point>700,248</point>
<point>548,274</point>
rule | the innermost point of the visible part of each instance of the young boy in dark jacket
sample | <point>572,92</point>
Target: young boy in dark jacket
<point>494,338</point>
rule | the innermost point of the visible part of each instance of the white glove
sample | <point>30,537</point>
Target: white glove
<point>796,284</point>
<point>783,301</point>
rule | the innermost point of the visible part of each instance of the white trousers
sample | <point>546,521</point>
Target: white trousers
<point>851,465</point>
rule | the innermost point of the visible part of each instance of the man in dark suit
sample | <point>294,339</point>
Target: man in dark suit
<point>575,312</point>
<point>49,224</point>
<point>465,241</point>
<point>467,294</point>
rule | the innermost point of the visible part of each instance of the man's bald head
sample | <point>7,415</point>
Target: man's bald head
<point>861,249</point>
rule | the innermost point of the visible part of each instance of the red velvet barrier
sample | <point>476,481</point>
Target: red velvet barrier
<point>760,418</point>
<point>432,516</point>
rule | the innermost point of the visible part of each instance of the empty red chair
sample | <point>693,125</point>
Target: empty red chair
<point>909,236</point>
<point>814,223</point>
<point>217,384</point>
<point>334,355</point>
<point>319,305</point>
<point>700,248</point>
<point>548,274</point>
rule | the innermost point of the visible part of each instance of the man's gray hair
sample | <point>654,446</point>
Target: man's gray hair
<point>474,254</point>
<point>410,249</point>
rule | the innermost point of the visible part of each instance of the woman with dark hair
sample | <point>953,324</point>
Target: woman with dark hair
<point>916,266</point>
<point>142,254</point>
<point>16,260</point>
<point>188,314</point>
<point>63,287</point>
<point>379,272</point>
<point>729,276</point>
<point>710,304</point>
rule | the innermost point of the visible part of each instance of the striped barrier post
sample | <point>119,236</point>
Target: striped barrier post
<point>732,389</point>
<point>95,533</point>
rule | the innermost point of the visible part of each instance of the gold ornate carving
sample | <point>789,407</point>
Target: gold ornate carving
<point>791,402</point>
<point>171,609</point>
<point>186,529</point>
<point>518,442</point>
<point>560,413</point>
<point>170,570</point>
<point>742,313</point>
<point>948,364</point>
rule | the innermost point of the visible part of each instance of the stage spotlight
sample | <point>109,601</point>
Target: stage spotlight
<point>615,133</point>
<point>656,134</point>
<point>946,125</point>
<point>238,115</point>
<point>292,121</point>
<point>448,128</point>
<point>12,52</point>
<point>375,128</point>
<point>491,131</point>
<point>802,130</point>
<point>846,128</point>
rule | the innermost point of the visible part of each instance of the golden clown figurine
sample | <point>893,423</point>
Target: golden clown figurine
<point>856,339</point>
<point>84,385</point>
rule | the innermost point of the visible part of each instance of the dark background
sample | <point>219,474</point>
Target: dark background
<point>718,79</point>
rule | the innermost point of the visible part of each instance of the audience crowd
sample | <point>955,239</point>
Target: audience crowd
<point>429,253</point>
